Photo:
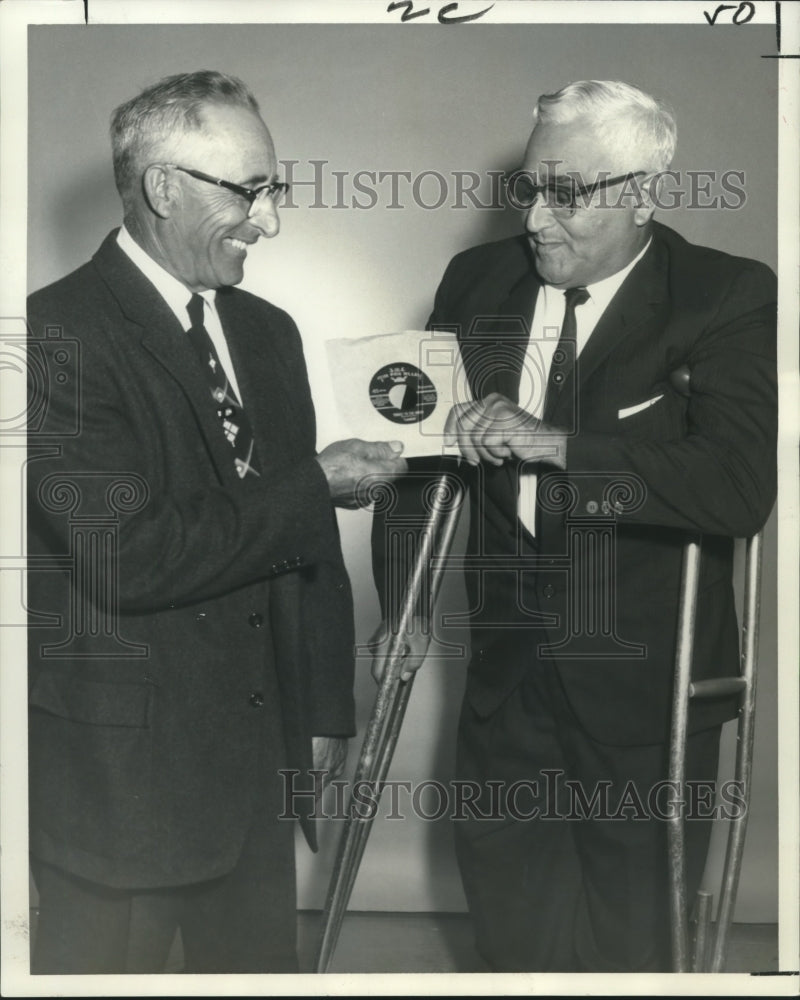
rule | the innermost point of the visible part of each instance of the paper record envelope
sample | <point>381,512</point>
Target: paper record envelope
<point>397,387</point>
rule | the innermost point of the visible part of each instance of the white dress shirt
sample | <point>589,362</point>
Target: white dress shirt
<point>548,316</point>
<point>177,297</point>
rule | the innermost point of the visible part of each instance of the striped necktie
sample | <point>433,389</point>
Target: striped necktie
<point>231,413</point>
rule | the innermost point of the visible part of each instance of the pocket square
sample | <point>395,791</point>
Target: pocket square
<point>630,410</point>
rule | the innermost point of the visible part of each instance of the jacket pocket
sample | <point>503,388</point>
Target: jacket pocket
<point>662,417</point>
<point>90,767</point>
<point>629,411</point>
<point>93,703</point>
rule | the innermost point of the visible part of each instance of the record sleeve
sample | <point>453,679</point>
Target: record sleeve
<point>397,387</point>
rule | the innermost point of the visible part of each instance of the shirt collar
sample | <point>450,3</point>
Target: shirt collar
<point>174,292</point>
<point>603,291</point>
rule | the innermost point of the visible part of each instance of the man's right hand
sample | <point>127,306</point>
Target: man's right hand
<point>495,429</point>
<point>347,464</point>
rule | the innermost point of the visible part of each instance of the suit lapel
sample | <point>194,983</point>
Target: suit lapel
<point>164,338</point>
<point>632,312</point>
<point>493,356</point>
<point>264,376</point>
<point>518,306</point>
<point>495,349</point>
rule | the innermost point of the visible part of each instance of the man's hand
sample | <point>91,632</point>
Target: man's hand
<point>329,754</point>
<point>417,643</point>
<point>347,464</point>
<point>493,429</point>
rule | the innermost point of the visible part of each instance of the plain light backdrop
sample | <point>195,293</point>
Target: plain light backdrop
<point>411,98</point>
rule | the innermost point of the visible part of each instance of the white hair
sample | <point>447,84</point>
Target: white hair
<point>173,106</point>
<point>635,125</point>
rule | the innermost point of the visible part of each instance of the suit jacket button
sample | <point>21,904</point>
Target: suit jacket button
<point>548,590</point>
<point>256,699</point>
<point>255,620</point>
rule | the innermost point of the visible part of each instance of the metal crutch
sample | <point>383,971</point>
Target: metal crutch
<point>745,686</point>
<point>383,729</point>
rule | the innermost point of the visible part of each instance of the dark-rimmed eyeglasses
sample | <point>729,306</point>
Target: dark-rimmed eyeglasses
<point>275,190</point>
<point>563,196</point>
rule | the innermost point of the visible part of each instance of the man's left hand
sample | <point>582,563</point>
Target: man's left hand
<point>329,754</point>
<point>494,429</point>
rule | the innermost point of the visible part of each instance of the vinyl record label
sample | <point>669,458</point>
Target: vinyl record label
<point>402,393</point>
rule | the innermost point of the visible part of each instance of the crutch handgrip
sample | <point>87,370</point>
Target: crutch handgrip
<point>717,687</point>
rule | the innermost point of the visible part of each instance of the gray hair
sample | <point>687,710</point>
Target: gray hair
<point>641,128</point>
<point>173,105</point>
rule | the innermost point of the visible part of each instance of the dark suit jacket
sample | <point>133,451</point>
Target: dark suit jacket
<point>150,691</point>
<point>703,462</point>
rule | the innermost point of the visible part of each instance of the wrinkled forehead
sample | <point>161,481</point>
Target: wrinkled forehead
<point>234,143</point>
<point>577,149</point>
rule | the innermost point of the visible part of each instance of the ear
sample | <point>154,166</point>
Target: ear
<point>161,192</point>
<point>643,212</point>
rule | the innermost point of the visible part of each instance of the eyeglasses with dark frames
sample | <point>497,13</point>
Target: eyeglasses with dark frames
<point>563,197</point>
<point>275,190</point>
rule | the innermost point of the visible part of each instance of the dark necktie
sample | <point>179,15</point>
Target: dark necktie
<point>230,411</point>
<point>566,349</point>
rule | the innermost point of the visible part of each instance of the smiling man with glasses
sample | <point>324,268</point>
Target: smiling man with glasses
<point>624,394</point>
<point>225,649</point>
<point>275,190</point>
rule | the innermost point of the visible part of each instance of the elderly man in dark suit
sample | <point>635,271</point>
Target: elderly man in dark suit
<point>191,629</point>
<point>624,394</point>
